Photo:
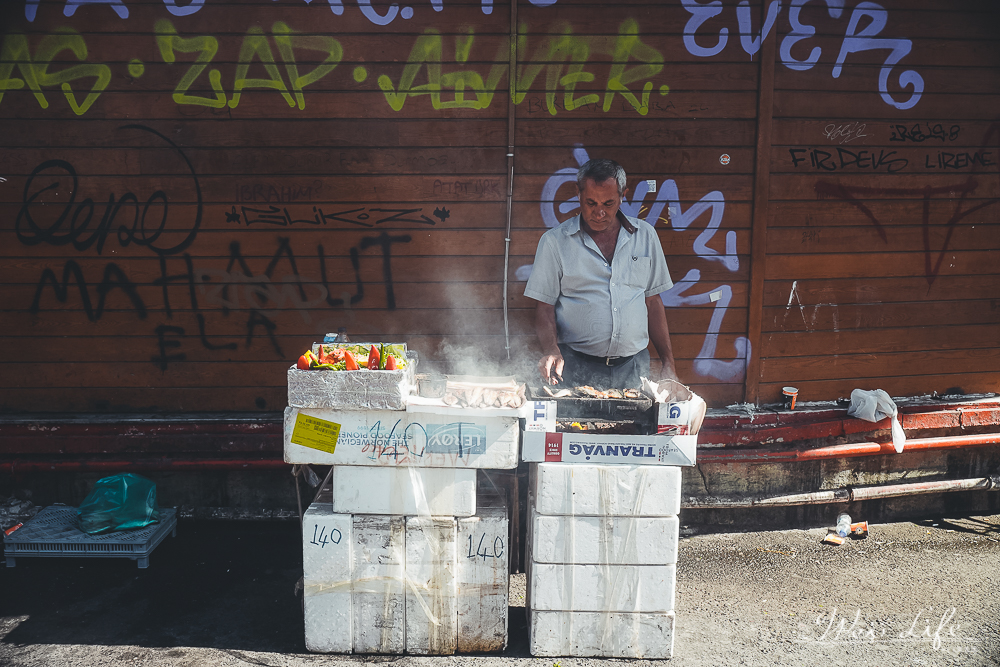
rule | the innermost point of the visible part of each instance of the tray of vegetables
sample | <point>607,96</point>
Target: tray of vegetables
<point>354,357</point>
<point>353,376</point>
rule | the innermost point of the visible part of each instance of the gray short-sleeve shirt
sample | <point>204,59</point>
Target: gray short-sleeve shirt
<point>600,308</point>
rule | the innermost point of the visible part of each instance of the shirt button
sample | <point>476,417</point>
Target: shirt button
<point>616,310</point>
<point>605,263</point>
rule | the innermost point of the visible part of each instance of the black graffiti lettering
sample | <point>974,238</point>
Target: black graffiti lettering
<point>162,359</point>
<point>115,278</point>
<point>795,158</point>
<point>70,270</point>
<point>822,160</point>
<point>259,319</point>
<point>165,280</point>
<point>424,220</point>
<point>285,249</point>
<point>207,344</point>
<point>944,160</point>
<point>235,257</point>
<point>919,133</point>
<point>327,217</point>
<point>29,232</point>
<point>386,241</point>
<point>864,159</point>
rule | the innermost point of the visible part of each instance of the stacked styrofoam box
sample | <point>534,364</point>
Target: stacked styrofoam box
<point>602,557</point>
<point>381,583</point>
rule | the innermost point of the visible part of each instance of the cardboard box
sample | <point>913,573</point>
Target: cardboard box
<point>325,436</point>
<point>663,450</point>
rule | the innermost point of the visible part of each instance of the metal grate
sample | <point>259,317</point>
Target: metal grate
<point>53,532</point>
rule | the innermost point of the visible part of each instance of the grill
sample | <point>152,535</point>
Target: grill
<point>601,415</point>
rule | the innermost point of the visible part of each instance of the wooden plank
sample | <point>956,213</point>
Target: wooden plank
<point>889,213</point>
<point>879,265</point>
<point>869,104</point>
<point>570,130</point>
<point>960,78</point>
<point>868,290</point>
<point>973,188</point>
<point>877,317</point>
<point>253,202</point>
<point>762,180</point>
<point>880,340</point>
<point>812,240</point>
<point>862,366</point>
<point>220,189</point>
<point>641,163</point>
<point>233,18</point>
<point>257,133</point>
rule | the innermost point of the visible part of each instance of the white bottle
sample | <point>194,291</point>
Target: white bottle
<point>844,525</point>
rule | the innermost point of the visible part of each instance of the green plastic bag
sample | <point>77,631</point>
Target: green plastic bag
<point>119,502</point>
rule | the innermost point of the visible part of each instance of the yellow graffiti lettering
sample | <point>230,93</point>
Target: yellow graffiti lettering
<point>255,44</point>
<point>426,53</point>
<point>36,71</point>
<point>628,45</point>
<point>15,52</point>
<point>206,47</point>
<point>550,56</point>
<point>288,41</point>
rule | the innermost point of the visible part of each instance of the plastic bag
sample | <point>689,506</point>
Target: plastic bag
<point>119,502</point>
<point>875,405</point>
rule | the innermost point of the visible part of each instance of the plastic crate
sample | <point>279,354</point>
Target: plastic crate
<point>53,533</point>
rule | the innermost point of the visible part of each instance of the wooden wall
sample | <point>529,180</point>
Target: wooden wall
<point>195,191</point>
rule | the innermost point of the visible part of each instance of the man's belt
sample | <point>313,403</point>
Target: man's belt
<point>604,361</point>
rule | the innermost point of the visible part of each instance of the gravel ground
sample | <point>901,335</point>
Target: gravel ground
<point>221,593</point>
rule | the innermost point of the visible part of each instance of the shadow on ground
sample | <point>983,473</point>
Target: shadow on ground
<point>222,585</point>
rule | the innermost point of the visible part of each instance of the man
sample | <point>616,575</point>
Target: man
<point>597,279</point>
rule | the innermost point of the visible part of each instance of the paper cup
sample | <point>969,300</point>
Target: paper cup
<point>789,394</point>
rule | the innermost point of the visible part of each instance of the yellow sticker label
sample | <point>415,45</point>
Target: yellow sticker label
<point>315,433</point>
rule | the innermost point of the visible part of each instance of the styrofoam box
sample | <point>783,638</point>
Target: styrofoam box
<point>351,390</point>
<point>664,450</point>
<point>631,588</point>
<point>431,594</point>
<point>385,584</point>
<point>409,491</point>
<point>605,490</point>
<point>378,592</point>
<point>483,576</point>
<point>604,539</point>
<point>326,578</point>
<point>611,635</point>
<point>326,436</point>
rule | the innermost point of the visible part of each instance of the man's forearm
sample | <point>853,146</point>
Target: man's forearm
<point>545,328</point>
<point>659,335</point>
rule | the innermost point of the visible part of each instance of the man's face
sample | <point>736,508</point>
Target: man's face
<point>599,203</point>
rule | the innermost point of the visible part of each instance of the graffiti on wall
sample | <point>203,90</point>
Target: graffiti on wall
<point>632,68</point>
<point>249,286</point>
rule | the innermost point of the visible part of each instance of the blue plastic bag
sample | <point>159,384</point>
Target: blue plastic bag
<point>119,502</point>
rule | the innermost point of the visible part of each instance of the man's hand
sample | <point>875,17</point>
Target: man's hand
<point>551,367</point>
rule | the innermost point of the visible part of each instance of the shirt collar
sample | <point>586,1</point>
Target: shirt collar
<point>572,225</point>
